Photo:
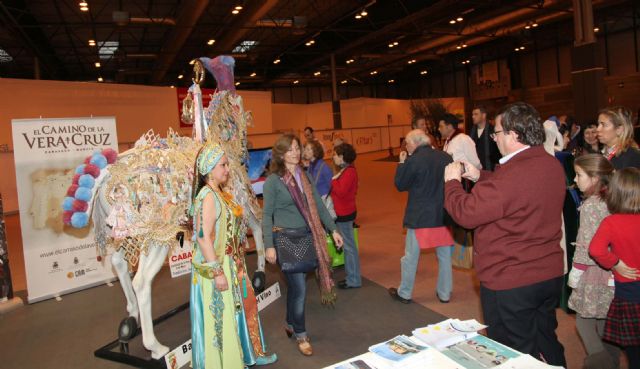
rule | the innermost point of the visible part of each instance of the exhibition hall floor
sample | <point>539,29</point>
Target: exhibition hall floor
<point>64,334</point>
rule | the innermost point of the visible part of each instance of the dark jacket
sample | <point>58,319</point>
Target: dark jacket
<point>628,158</point>
<point>516,212</point>
<point>422,174</point>
<point>486,147</point>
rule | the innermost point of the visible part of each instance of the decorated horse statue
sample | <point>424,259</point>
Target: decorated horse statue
<point>139,201</point>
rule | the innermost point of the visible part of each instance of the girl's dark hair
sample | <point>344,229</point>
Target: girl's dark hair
<point>624,192</point>
<point>280,147</point>
<point>596,165</point>
<point>347,152</point>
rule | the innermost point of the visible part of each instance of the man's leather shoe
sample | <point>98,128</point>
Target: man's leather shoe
<point>343,285</point>
<point>441,300</point>
<point>394,294</point>
<point>288,330</point>
<point>304,346</point>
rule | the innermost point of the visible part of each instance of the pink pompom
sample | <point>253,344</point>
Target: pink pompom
<point>92,169</point>
<point>66,217</point>
<point>87,160</point>
<point>71,192</point>
<point>79,205</point>
<point>76,178</point>
<point>111,155</point>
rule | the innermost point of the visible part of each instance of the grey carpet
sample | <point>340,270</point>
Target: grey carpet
<point>65,334</point>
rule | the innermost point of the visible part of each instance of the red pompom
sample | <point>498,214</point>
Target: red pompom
<point>80,205</point>
<point>87,160</point>
<point>76,178</point>
<point>99,258</point>
<point>111,155</point>
<point>71,192</point>
<point>66,217</point>
<point>92,169</point>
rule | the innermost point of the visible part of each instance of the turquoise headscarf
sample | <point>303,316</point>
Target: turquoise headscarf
<point>209,156</point>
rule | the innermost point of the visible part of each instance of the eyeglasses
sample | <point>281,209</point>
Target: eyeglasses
<point>495,134</point>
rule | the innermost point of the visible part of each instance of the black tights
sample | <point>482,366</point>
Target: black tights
<point>633,356</point>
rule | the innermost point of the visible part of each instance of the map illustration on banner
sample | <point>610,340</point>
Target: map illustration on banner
<point>58,258</point>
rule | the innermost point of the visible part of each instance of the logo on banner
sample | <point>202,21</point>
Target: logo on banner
<point>56,139</point>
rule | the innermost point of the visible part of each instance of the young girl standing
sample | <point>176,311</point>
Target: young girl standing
<point>616,246</point>
<point>592,286</point>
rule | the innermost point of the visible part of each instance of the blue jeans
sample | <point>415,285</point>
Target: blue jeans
<point>351,258</point>
<point>409,265</point>
<point>296,295</point>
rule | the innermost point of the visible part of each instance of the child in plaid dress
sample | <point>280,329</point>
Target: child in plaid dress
<point>616,246</point>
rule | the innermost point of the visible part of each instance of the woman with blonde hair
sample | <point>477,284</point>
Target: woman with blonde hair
<point>292,225</point>
<point>615,131</point>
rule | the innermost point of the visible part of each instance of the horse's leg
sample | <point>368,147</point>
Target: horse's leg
<point>256,229</point>
<point>147,270</point>
<point>122,270</point>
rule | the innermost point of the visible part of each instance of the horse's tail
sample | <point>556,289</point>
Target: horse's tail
<point>76,205</point>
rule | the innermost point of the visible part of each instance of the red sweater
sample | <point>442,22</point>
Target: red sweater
<point>343,191</point>
<point>516,212</point>
<point>621,232</point>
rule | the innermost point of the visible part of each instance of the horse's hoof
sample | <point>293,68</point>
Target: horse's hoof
<point>266,359</point>
<point>158,351</point>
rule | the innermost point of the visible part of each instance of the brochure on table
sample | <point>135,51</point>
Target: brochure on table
<point>450,344</point>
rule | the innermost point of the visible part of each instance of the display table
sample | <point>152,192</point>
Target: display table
<point>450,344</point>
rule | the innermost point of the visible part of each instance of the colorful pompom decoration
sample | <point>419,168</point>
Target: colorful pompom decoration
<point>76,203</point>
<point>87,181</point>
<point>79,220</point>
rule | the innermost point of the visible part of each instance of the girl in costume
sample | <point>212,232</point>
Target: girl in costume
<point>616,246</point>
<point>225,327</point>
<point>592,286</point>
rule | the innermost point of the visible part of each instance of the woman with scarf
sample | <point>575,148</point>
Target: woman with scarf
<point>225,327</point>
<point>294,215</point>
<point>615,131</point>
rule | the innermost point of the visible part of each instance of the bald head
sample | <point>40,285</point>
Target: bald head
<point>416,138</point>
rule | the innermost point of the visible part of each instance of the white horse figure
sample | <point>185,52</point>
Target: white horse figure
<point>140,203</point>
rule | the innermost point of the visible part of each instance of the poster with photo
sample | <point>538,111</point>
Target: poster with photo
<point>58,258</point>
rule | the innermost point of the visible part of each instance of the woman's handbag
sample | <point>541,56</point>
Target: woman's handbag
<point>295,249</point>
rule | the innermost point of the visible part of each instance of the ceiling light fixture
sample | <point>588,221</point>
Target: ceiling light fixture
<point>237,83</point>
<point>596,29</point>
<point>310,42</point>
<point>391,45</point>
<point>100,79</point>
<point>528,26</point>
<point>459,19</point>
<point>252,74</point>
<point>453,21</point>
<point>238,7</point>
<point>423,72</point>
<point>358,16</point>
<point>84,8</point>
<point>391,81</point>
<point>211,42</point>
<point>316,73</point>
<point>180,76</point>
<point>373,73</point>
<point>344,81</point>
<point>458,47</point>
<point>83,3</point>
<point>296,82</point>
<point>411,61</point>
<point>235,11</point>
<point>464,45</point>
<point>97,64</point>
<point>350,61</point>
<point>535,24</point>
<point>172,86</point>
<point>92,42</point>
<point>364,13</point>
<point>395,43</point>
<point>276,61</point>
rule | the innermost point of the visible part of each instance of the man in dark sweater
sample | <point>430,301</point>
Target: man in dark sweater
<point>481,136</point>
<point>421,173</point>
<point>516,212</point>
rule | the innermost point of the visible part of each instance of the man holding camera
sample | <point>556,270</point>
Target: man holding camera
<point>516,212</point>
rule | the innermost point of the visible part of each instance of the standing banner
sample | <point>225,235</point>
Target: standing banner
<point>58,259</point>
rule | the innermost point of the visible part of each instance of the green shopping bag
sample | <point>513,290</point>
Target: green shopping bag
<point>337,257</point>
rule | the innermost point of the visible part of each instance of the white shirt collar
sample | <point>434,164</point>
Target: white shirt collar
<point>508,157</point>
